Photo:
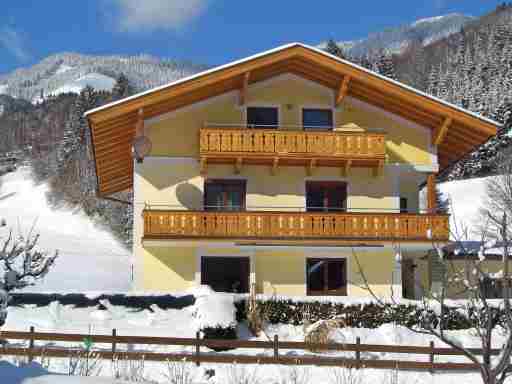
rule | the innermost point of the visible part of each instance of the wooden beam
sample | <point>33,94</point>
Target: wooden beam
<point>343,90</point>
<point>431,193</point>
<point>238,165</point>
<point>243,90</point>
<point>440,133</point>
<point>379,170</point>
<point>202,166</point>
<point>275,165</point>
<point>311,167</point>
<point>345,171</point>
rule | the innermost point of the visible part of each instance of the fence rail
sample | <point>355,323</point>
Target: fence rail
<point>198,356</point>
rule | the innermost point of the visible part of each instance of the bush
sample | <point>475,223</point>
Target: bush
<point>222,333</point>
<point>354,315</point>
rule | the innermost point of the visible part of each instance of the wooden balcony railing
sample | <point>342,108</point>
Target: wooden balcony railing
<point>257,225</point>
<point>332,147</point>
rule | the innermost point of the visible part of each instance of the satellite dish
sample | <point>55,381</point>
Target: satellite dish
<point>141,147</point>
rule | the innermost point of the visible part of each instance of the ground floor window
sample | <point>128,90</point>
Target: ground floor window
<point>327,276</point>
<point>226,274</point>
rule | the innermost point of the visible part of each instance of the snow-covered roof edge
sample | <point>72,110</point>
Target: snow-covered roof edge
<point>281,48</point>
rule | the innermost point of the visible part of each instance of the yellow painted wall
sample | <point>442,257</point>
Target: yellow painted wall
<point>279,272</point>
<point>177,134</point>
<point>179,185</point>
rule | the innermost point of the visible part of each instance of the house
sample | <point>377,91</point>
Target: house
<point>283,171</point>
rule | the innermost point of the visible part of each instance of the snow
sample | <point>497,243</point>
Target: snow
<point>90,258</point>
<point>430,20</point>
<point>3,88</point>
<point>213,309</point>
<point>466,197</point>
<point>96,80</point>
<point>180,323</point>
<point>63,68</point>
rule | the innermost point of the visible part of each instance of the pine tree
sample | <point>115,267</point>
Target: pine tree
<point>385,66</point>
<point>122,88</point>
<point>334,49</point>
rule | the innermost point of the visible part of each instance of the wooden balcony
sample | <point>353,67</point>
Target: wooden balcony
<point>294,226</point>
<point>292,147</point>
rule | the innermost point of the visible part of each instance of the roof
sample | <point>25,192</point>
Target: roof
<point>113,125</point>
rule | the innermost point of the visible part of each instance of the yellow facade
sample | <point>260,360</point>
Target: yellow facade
<point>170,178</point>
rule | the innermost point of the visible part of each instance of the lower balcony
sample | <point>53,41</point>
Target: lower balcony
<point>314,227</point>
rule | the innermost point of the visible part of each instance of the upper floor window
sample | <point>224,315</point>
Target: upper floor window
<point>322,196</point>
<point>262,117</point>
<point>317,118</point>
<point>224,195</point>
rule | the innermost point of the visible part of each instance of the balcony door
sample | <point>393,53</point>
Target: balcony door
<point>262,117</point>
<point>326,276</point>
<point>322,196</point>
<point>317,119</point>
<point>224,195</point>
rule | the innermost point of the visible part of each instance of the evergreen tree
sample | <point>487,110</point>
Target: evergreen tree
<point>385,66</point>
<point>334,49</point>
<point>122,88</point>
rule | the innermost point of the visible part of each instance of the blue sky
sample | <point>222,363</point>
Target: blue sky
<point>204,31</point>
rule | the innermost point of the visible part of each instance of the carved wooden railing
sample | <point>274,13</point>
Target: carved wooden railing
<point>282,143</point>
<point>160,224</point>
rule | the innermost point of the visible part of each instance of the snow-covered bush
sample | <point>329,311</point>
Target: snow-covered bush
<point>22,263</point>
<point>345,375</point>
<point>129,370</point>
<point>242,374</point>
<point>295,375</point>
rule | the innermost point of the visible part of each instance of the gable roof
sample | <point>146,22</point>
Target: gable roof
<point>113,125</point>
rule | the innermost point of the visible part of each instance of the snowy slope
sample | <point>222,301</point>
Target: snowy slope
<point>396,39</point>
<point>96,80</point>
<point>466,197</point>
<point>90,258</point>
<point>3,88</point>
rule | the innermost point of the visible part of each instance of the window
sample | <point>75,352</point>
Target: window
<point>262,117</point>
<point>326,196</point>
<point>224,195</point>
<point>226,274</point>
<point>317,118</point>
<point>326,277</point>
<point>403,205</point>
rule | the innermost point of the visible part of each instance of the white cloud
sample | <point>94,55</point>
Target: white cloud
<point>14,42</point>
<point>135,15</point>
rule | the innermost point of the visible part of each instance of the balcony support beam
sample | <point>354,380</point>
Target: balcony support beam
<point>345,170</point>
<point>275,165</point>
<point>238,165</point>
<point>379,169</point>
<point>311,167</point>
<point>343,90</point>
<point>440,133</point>
<point>431,193</point>
<point>202,166</point>
<point>242,100</point>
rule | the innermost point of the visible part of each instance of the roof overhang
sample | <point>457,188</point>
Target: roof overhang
<point>113,125</point>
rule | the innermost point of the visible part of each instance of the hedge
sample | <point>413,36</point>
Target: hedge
<point>356,315</point>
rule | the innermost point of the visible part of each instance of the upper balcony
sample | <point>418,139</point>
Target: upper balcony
<point>290,146</point>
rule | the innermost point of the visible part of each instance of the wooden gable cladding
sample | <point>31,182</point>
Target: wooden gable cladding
<point>113,126</point>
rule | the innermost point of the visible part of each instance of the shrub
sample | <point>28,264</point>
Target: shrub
<point>222,333</point>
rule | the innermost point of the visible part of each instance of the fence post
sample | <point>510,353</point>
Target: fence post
<point>31,345</point>
<point>198,340</point>
<point>431,357</point>
<point>114,344</point>
<point>358,352</point>
<point>276,347</point>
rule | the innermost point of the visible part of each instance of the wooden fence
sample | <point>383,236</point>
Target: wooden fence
<point>201,356</point>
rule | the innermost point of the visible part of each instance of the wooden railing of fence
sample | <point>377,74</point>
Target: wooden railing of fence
<point>201,356</point>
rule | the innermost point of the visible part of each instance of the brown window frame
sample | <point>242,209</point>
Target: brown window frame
<point>342,291</point>
<point>241,183</point>
<point>327,206</point>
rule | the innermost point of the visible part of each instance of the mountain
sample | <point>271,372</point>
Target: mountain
<point>71,72</point>
<point>397,39</point>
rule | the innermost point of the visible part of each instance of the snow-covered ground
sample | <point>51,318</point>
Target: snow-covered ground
<point>90,258</point>
<point>185,322</point>
<point>3,88</point>
<point>467,198</point>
